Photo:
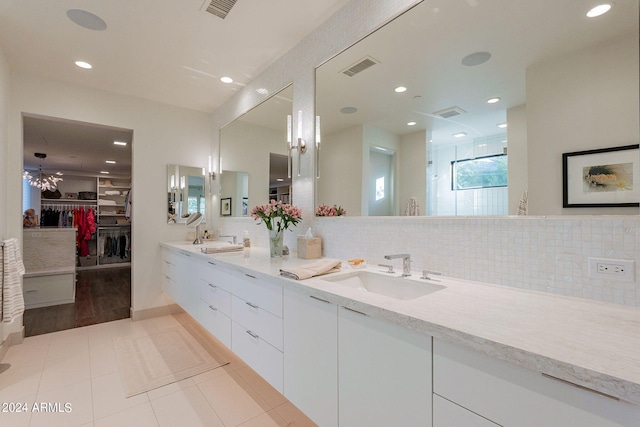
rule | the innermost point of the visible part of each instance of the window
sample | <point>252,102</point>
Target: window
<point>379,188</point>
<point>481,172</point>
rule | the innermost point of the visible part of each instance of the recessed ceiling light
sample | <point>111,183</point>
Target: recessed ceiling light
<point>601,9</point>
<point>348,110</point>
<point>280,179</point>
<point>459,134</point>
<point>105,172</point>
<point>262,91</point>
<point>476,59</point>
<point>226,79</point>
<point>84,65</point>
<point>411,124</point>
<point>111,162</point>
<point>493,100</point>
<point>119,143</point>
<point>400,89</point>
<point>482,145</point>
<point>502,125</point>
<point>86,19</point>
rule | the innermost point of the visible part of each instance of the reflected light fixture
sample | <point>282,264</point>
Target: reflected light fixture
<point>298,144</point>
<point>318,146</point>
<point>400,89</point>
<point>83,64</point>
<point>42,181</point>
<point>121,143</point>
<point>502,125</point>
<point>599,10</point>
<point>459,134</point>
<point>493,100</point>
<point>212,173</point>
<point>411,124</point>
<point>226,79</point>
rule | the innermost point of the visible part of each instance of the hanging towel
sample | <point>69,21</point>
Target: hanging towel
<point>12,271</point>
<point>523,206</point>
<point>412,208</point>
<point>316,268</point>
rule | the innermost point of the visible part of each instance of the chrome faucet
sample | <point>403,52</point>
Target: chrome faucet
<point>406,263</point>
<point>235,238</point>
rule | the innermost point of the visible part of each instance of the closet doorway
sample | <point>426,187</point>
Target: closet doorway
<point>77,245</point>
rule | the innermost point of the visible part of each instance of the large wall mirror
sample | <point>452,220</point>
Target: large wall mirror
<point>459,107</point>
<point>253,151</point>
<point>186,192</point>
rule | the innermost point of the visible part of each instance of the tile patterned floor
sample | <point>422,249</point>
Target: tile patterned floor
<point>77,367</point>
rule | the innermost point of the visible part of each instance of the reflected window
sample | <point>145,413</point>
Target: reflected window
<point>481,172</point>
<point>380,188</point>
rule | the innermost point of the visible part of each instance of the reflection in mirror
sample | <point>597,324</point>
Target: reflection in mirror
<point>248,144</point>
<point>234,187</point>
<point>279,181</point>
<point>186,192</point>
<point>406,110</point>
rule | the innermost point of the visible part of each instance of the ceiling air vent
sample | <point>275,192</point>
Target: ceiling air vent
<point>219,8</point>
<point>360,66</point>
<point>447,113</point>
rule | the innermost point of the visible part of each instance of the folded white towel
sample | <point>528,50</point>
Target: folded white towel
<point>316,268</point>
<point>222,249</point>
<point>10,273</point>
<point>112,193</point>
<point>105,202</point>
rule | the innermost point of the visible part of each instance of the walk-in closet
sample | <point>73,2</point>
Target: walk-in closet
<point>77,241</point>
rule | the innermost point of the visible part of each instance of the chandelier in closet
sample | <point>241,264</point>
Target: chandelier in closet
<point>42,180</point>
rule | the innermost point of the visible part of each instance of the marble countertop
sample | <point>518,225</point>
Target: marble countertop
<point>589,343</point>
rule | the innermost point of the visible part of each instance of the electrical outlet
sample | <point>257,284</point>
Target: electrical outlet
<point>612,269</point>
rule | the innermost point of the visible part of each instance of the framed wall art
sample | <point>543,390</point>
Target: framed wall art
<point>225,206</point>
<point>606,177</point>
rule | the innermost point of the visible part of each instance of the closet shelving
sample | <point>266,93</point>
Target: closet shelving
<point>114,229</point>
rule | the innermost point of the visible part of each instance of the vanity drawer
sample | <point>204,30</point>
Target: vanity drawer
<point>216,296</point>
<point>260,322</point>
<point>265,295</point>
<point>43,291</point>
<point>216,322</point>
<point>261,356</point>
<point>211,272</point>
<point>510,395</point>
<point>448,414</point>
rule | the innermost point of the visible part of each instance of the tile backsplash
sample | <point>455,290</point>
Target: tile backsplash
<point>538,253</point>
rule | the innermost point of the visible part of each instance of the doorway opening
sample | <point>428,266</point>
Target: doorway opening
<point>77,243</point>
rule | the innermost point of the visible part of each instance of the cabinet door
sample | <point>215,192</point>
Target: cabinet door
<point>311,356</point>
<point>264,358</point>
<point>384,374</point>
<point>216,322</point>
<point>448,414</point>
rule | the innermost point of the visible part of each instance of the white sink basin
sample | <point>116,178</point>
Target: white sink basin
<point>390,286</point>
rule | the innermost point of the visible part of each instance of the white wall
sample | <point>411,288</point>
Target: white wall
<point>246,148</point>
<point>563,115</point>
<point>518,172</point>
<point>341,167</point>
<point>4,207</point>
<point>160,134</point>
<point>413,171</point>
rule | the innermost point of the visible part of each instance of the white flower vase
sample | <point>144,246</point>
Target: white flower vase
<point>276,242</point>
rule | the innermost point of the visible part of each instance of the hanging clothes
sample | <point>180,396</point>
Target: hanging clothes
<point>128,201</point>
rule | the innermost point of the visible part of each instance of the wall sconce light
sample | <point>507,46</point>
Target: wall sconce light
<point>317,146</point>
<point>182,183</point>
<point>300,144</point>
<point>212,173</point>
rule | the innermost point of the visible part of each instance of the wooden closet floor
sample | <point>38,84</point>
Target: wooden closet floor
<point>101,296</point>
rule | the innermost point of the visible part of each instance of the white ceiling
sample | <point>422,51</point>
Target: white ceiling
<point>423,49</point>
<point>169,51</point>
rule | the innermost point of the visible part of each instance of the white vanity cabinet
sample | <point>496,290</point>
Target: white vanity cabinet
<point>349,369</point>
<point>257,326</point>
<point>179,279</point>
<point>384,373</point>
<point>509,395</point>
<point>311,356</point>
<point>214,307</point>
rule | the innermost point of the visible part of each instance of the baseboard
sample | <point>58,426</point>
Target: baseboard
<point>150,313</point>
<point>13,338</point>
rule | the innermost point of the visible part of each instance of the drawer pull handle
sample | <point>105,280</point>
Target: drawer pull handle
<point>355,311</point>
<point>211,285</point>
<point>253,335</point>
<point>252,305</point>
<point>212,263</point>
<point>319,299</point>
<point>248,275</point>
<point>33,291</point>
<point>213,308</point>
<point>579,386</point>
